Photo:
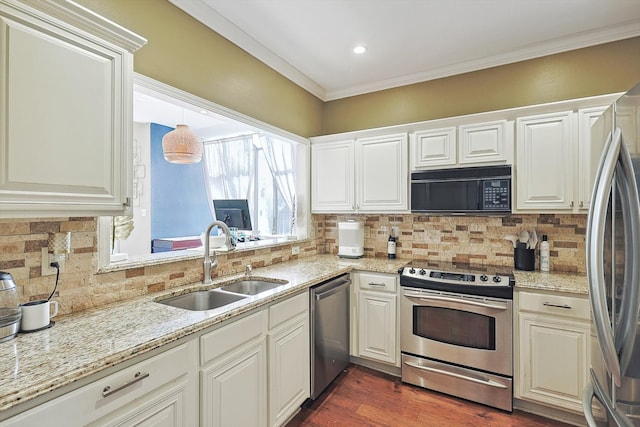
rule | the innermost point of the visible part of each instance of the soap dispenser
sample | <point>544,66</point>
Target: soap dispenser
<point>544,254</point>
<point>10,312</point>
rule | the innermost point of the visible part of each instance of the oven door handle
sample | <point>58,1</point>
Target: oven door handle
<point>422,297</point>
<point>485,381</point>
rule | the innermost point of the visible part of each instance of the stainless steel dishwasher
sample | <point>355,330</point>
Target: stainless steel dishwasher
<point>329,302</point>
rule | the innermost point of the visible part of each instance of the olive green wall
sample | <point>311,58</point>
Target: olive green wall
<point>608,68</point>
<point>183,53</point>
<point>186,54</point>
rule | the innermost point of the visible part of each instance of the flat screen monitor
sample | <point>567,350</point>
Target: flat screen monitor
<point>233,212</point>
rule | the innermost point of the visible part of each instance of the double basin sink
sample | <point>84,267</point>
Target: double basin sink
<point>224,295</point>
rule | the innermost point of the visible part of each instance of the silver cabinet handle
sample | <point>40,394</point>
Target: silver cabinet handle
<point>485,381</point>
<point>581,204</point>
<point>548,304</point>
<point>571,205</point>
<point>376,284</point>
<point>139,376</point>
<point>595,259</point>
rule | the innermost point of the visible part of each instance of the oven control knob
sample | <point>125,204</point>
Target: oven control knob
<point>484,278</point>
<point>412,271</point>
<point>422,272</point>
<point>497,279</point>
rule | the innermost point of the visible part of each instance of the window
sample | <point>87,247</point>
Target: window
<point>259,168</point>
<point>243,158</point>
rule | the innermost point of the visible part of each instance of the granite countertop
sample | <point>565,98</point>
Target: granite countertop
<point>559,282</point>
<point>91,341</point>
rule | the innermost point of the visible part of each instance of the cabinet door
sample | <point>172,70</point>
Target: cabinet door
<point>589,150</point>
<point>544,162</point>
<point>65,140</point>
<point>332,177</point>
<point>486,143</point>
<point>433,148</point>
<point>554,360</point>
<point>382,173</point>
<point>233,390</point>
<point>377,338</point>
<point>289,377</point>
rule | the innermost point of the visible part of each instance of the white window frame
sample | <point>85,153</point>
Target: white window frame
<point>303,164</point>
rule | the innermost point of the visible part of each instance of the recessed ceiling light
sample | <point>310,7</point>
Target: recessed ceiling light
<point>359,49</point>
<point>203,111</point>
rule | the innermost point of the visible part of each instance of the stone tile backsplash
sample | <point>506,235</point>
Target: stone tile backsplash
<point>466,239</point>
<point>460,239</point>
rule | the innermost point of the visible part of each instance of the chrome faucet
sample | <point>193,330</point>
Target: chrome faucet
<point>249,269</point>
<point>207,264</point>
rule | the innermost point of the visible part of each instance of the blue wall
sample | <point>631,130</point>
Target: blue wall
<point>179,205</point>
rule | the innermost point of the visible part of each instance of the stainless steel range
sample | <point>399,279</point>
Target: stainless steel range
<point>457,331</point>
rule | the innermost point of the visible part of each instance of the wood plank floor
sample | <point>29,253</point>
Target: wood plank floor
<point>364,397</point>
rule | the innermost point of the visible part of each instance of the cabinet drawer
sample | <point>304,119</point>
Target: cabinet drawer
<point>102,397</point>
<point>558,305</point>
<point>230,336</point>
<point>287,309</point>
<point>379,282</point>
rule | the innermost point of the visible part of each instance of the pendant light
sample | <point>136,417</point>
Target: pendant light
<point>181,146</point>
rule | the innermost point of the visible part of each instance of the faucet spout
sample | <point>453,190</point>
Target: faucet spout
<point>208,265</point>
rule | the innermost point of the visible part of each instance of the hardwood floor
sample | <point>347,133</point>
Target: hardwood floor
<point>364,397</point>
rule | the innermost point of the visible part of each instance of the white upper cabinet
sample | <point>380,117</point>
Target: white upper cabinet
<point>544,160</point>
<point>589,148</point>
<point>365,175</point>
<point>332,177</point>
<point>490,142</point>
<point>472,144</point>
<point>382,173</point>
<point>66,111</point>
<point>433,148</point>
<point>557,156</point>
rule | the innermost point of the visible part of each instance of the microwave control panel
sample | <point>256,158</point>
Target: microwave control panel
<point>496,194</point>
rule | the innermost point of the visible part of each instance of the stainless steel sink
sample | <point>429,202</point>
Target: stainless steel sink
<point>251,286</point>
<point>202,300</point>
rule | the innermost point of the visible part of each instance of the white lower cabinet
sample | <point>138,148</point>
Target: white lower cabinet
<point>554,349</point>
<point>255,371</point>
<point>288,349</point>
<point>159,391</point>
<point>233,380</point>
<point>376,317</point>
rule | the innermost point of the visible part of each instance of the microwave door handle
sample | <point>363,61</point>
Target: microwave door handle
<point>596,224</point>
<point>625,335</point>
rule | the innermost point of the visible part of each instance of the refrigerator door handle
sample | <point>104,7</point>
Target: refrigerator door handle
<point>625,330</point>
<point>594,389</point>
<point>596,224</point>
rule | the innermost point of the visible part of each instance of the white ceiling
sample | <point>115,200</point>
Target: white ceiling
<point>408,41</point>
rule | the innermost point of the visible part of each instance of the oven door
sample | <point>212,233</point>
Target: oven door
<point>466,330</point>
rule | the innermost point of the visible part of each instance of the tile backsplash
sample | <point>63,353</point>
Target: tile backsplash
<point>466,239</point>
<point>461,239</point>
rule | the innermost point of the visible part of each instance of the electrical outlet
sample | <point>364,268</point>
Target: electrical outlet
<point>295,250</point>
<point>47,259</point>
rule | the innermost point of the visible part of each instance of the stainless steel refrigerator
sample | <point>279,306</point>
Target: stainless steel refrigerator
<point>613,266</point>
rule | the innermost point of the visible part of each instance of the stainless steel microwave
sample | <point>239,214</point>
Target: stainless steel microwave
<point>476,190</point>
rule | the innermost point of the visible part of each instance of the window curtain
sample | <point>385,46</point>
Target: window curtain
<point>229,169</point>
<point>280,156</point>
